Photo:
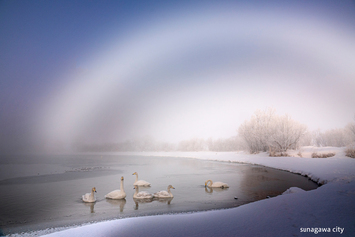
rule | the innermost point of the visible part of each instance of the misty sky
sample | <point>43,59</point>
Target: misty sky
<point>107,71</point>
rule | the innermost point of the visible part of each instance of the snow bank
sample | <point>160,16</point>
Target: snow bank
<point>330,207</point>
<point>321,170</point>
<point>293,190</point>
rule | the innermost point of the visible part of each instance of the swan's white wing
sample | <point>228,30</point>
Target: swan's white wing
<point>141,183</point>
<point>144,194</point>
<point>162,194</point>
<point>87,198</point>
<point>116,194</point>
<point>220,185</point>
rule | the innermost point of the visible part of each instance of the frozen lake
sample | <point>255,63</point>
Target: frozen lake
<point>40,192</point>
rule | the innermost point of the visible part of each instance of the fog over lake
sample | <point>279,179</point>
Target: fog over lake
<point>171,70</point>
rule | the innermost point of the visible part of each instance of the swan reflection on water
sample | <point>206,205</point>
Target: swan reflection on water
<point>218,184</point>
<point>117,202</point>
<point>164,200</point>
<point>164,194</point>
<point>141,201</point>
<point>91,205</point>
<point>210,190</point>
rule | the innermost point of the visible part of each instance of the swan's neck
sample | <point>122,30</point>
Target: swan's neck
<point>92,194</point>
<point>135,194</point>
<point>209,181</point>
<point>122,185</point>
<point>169,191</point>
<point>136,177</point>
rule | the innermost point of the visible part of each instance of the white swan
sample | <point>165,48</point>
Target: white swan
<point>164,194</point>
<point>140,182</point>
<point>89,197</point>
<point>142,194</point>
<point>118,193</point>
<point>211,184</point>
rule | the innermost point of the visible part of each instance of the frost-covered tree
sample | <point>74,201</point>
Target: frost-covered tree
<point>286,133</point>
<point>307,139</point>
<point>338,137</point>
<point>257,131</point>
<point>267,131</point>
<point>350,132</point>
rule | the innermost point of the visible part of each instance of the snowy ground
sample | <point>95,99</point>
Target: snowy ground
<point>326,211</point>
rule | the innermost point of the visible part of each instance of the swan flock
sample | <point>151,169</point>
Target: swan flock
<point>143,195</point>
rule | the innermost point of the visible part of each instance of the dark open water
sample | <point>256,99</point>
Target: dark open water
<point>39,192</point>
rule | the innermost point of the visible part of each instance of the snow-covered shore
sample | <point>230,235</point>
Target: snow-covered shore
<point>326,211</point>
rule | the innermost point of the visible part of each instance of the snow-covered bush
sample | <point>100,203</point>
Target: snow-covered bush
<point>286,134</point>
<point>257,131</point>
<point>350,151</point>
<point>322,155</point>
<point>266,131</point>
<point>350,132</point>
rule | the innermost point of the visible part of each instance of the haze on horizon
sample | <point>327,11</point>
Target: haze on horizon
<point>77,71</point>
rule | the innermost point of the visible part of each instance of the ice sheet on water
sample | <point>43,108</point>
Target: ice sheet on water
<point>10,171</point>
<point>94,168</point>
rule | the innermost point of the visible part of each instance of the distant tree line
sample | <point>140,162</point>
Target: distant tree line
<point>197,144</point>
<point>339,137</point>
<point>265,131</point>
<point>149,144</point>
<point>146,143</point>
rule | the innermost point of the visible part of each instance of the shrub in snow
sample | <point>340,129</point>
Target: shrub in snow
<point>350,151</point>
<point>267,131</point>
<point>274,153</point>
<point>322,155</point>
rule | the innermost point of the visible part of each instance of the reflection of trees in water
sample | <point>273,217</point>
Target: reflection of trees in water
<point>91,205</point>
<point>258,183</point>
<point>115,202</point>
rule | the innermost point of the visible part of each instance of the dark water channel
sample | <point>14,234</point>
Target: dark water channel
<point>39,192</point>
